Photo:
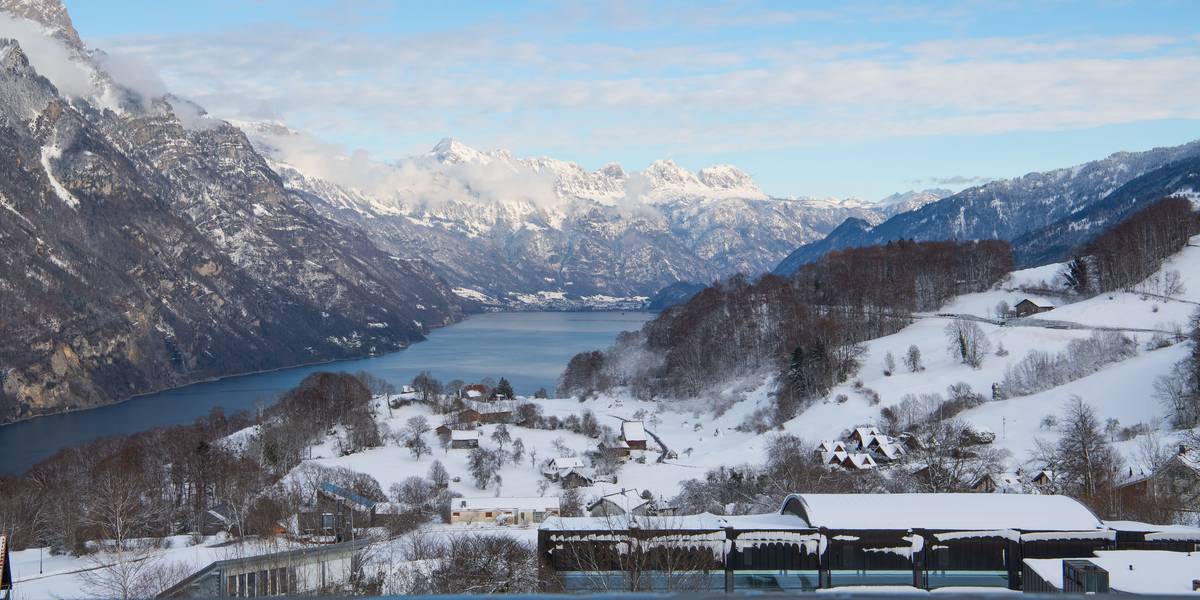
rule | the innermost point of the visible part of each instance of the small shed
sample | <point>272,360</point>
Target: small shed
<point>1029,307</point>
<point>634,434</point>
<point>578,477</point>
<point>464,438</point>
<point>624,502</point>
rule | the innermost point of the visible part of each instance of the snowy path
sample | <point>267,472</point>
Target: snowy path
<point>1042,323</point>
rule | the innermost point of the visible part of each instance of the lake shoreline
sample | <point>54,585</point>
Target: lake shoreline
<point>530,347</point>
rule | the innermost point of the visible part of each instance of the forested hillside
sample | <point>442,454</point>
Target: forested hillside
<point>808,325</point>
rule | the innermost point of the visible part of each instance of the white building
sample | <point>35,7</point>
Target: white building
<point>503,511</point>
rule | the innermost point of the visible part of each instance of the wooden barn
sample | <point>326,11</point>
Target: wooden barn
<point>1029,307</point>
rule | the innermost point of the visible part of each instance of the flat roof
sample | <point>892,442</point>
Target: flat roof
<point>1133,571</point>
<point>942,512</point>
<point>698,522</point>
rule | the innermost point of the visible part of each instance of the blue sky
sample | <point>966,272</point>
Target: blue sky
<point>825,99</point>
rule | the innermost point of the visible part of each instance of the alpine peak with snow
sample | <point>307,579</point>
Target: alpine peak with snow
<point>994,387</point>
<point>512,232</point>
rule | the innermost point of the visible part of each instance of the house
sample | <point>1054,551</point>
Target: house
<point>336,514</point>
<point>624,502</point>
<point>911,441</point>
<point>828,446</point>
<point>862,436</point>
<point>859,461</point>
<point>617,448</point>
<point>475,391</point>
<point>834,458</point>
<point>6,582</point>
<point>580,477</point>
<point>556,467</point>
<point>464,438</point>
<point>888,452</point>
<point>443,429</point>
<point>503,511</point>
<point>477,411</point>
<point>218,519</point>
<point>1175,484</point>
<point>633,433</point>
<point>1004,483</point>
<point>1043,480</point>
<point>305,571</point>
<point>1028,307</point>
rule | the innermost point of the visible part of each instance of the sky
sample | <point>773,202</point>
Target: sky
<point>810,98</point>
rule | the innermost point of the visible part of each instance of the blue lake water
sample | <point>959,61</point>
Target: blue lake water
<point>529,348</point>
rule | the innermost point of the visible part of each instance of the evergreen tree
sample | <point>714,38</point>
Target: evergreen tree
<point>504,389</point>
<point>1077,275</point>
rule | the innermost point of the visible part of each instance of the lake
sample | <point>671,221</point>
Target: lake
<point>531,349</point>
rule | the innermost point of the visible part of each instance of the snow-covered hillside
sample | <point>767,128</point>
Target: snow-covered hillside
<point>703,434</point>
<point>701,439</point>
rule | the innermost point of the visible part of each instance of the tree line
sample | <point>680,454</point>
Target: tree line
<point>806,328</point>
<point>1132,250</point>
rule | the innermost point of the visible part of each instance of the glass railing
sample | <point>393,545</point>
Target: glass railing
<point>839,577</point>
<point>937,579</point>
<point>783,581</point>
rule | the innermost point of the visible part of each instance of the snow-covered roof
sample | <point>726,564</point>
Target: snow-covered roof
<point>488,408</point>
<point>626,500</point>
<point>942,512</point>
<point>1157,532</point>
<point>698,522</point>
<point>464,434</point>
<point>1133,571</point>
<point>474,394</point>
<point>1037,303</point>
<point>767,522</point>
<point>859,460</point>
<point>567,462</point>
<point>633,431</point>
<point>502,503</point>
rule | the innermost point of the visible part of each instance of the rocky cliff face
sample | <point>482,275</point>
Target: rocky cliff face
<point>140,253</point>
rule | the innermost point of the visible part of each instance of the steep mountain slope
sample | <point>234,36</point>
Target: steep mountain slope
<point>141,253</point>
<point>1007,209</point>
<point>1054,242</point>
<point>504,230</point>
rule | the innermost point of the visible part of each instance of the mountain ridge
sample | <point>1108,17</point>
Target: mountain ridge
<point>1005,209</point>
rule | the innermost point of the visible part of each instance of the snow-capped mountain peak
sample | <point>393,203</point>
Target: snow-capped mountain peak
<point>665,173</point>
<point>50,14</point>
<point>452,151</point>
<point>726,177</point>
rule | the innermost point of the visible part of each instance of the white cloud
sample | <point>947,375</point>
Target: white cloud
<point>537,85</point>
<point>49,56</point>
